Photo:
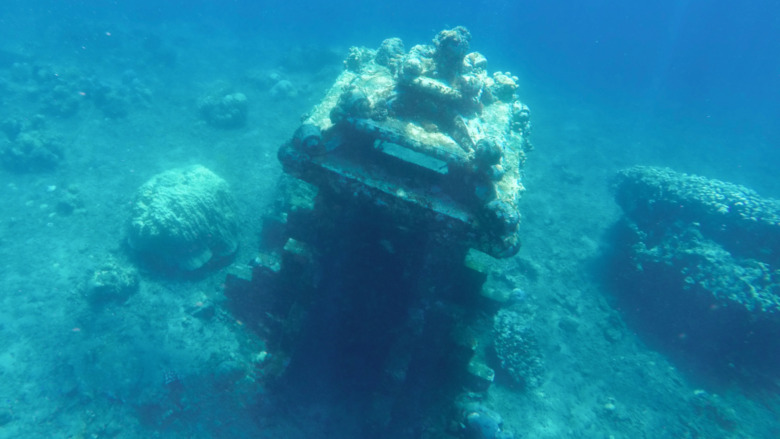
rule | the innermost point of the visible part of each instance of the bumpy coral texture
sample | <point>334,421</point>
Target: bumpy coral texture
<point>184,219</point>
<point>517,348</point>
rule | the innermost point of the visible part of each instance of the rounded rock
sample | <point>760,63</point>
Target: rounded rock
<point>228,111</point>
<point>183,219</point>
<point>112,281</point>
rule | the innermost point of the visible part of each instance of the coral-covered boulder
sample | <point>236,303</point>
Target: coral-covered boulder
<point>31,151</point>
<point>112,281</point>
<point>696,264</point>
<point>517,348</point>
<point>184,219</point>
<point>224,111</point>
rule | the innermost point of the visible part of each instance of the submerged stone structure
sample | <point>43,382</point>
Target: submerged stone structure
<point>426,132</point>
<point>400,186</point>
<point>699,263</point>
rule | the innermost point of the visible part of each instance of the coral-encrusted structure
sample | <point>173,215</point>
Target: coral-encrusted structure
<point>699,262</point>
<point>397,183</point>
<point>427,132</point>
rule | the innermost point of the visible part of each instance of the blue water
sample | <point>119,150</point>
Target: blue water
<point>107,94</point>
